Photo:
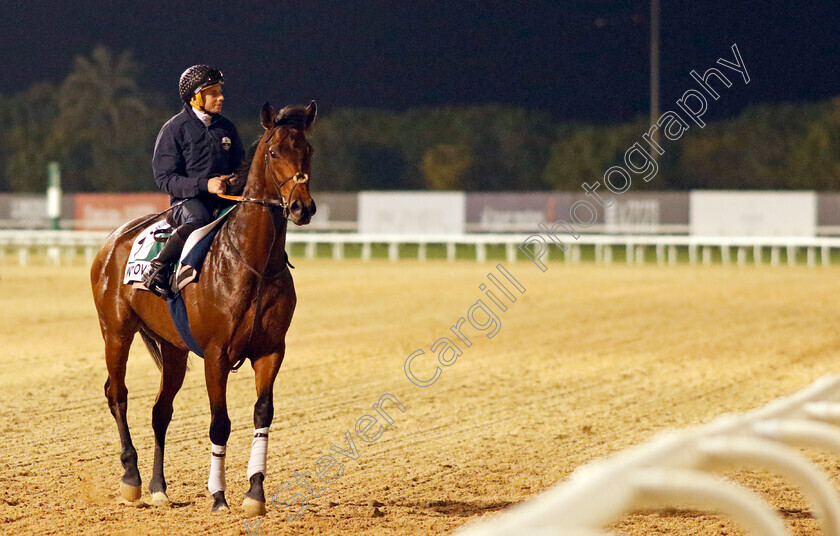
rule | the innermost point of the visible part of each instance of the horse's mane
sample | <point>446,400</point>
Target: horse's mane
<point>237,185</point>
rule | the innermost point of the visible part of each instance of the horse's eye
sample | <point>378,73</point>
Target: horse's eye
<point>271,152</point>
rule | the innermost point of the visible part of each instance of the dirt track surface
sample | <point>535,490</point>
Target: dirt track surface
<point>589,360</point>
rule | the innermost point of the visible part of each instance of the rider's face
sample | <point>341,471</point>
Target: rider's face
<point>213,99</point>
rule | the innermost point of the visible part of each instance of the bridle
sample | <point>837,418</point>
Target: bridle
<point>270,204</point>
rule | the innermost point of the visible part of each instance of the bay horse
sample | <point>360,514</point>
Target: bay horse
<point>241,307</point>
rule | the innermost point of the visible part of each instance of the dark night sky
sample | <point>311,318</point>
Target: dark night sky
<point>576,59</point>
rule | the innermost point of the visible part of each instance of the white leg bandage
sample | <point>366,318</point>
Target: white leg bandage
<point>216,482</point>
<point>259,452</point>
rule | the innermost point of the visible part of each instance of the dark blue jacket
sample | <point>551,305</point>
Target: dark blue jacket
<point>188,154</point>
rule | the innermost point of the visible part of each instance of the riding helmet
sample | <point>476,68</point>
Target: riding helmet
<point>197,78</point>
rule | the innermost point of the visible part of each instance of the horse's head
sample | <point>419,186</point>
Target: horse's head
<point>286,156</point>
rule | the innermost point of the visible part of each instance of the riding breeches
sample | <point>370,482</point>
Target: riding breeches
<point>191,215</point>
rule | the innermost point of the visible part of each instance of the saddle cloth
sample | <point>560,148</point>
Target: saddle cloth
<point>145,248</point>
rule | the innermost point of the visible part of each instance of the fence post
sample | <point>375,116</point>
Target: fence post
<point>54,194</point>
<point>510,250</point>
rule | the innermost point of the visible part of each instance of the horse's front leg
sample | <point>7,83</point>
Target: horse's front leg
<point>216,370</point>
<point>265,371</point>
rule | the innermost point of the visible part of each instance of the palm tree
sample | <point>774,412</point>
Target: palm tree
<point>102,115</point>
<point>102,92</point>
<point>27,120</point>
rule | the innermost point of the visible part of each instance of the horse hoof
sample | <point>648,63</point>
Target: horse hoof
<point>219,502</point>
<point>160,498</point>
<point>253,507</point>
<point>129,493</point>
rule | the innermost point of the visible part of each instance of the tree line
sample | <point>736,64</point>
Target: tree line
<point>100,125</point>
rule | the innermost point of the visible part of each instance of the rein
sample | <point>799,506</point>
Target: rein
<point>270,204</point>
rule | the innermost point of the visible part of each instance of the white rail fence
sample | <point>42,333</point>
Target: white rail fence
<point>669,470</point>
<point>64,246</point>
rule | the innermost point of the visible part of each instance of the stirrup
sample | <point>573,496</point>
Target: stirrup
<point>157,282</point>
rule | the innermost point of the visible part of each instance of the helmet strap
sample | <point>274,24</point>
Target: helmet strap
<point>197,101</point>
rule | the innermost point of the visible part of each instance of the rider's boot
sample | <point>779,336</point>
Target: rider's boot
<point>156,279</point>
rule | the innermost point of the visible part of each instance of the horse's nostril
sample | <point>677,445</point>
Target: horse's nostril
<point>296,207</point>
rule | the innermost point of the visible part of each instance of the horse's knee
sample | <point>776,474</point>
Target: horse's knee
<point>264,410</point>
<point>220,428</point>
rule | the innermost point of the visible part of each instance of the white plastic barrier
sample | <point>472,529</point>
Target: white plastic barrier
<point>634,247</point>
<point>666,471</point>
<point>56,244</point>
<point>666,248</point>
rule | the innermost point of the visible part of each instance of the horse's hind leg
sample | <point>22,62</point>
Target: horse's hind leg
<point>174,366</point>
<point>265,372</point>
<point>116,356</point>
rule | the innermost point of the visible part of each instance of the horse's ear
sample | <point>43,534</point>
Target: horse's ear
<point>311,112</point>
<point>267,116</point>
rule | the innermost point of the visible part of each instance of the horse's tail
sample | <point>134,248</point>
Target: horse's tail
<point>154,348</point>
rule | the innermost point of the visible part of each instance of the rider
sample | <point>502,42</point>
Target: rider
<point>196,152</point>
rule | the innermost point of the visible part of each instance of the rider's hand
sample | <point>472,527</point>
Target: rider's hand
<point>216,185</point>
